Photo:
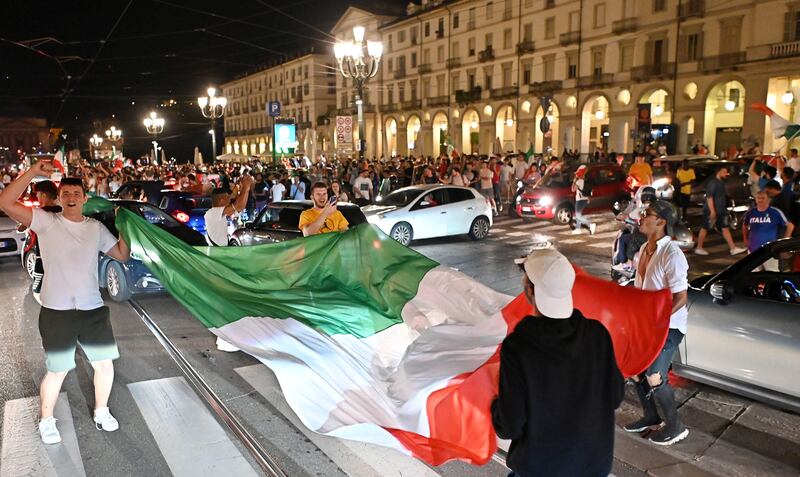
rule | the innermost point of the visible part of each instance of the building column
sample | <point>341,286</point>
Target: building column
<point>402,140</point>
<point>617,131</point>
<point>756,89</point>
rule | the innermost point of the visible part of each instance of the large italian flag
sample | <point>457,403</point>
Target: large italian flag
<point>372,341</point>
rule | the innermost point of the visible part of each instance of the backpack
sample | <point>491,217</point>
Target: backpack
<point>588,186</point>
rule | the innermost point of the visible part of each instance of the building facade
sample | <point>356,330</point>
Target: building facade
<point>23,135</point>
<point>305,88</point>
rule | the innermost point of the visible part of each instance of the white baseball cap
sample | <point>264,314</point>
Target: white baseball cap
<point>552,276</point>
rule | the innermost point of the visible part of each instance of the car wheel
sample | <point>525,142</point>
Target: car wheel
<point>29,260</point>
<point>233,243</point>
<point>116,282</point>
<point>563,215</point>
<point>479,229</point>
<point>403,233</point>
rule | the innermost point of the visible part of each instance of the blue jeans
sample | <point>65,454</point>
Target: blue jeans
<point>579,218</point>
<point>664,358</point>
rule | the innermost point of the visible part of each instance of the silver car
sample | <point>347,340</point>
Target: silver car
<point>744,327</point>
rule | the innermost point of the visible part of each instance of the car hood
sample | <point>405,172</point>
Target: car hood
<point>378,209</point>
<point>7,224</point>
<point>542,191</point>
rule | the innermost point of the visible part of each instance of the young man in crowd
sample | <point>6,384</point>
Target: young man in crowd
<point>559,380</point>
<point>686,177</point>
<point>362,188</point>
<point>661,265</point>
<point>72,307</point>
<point>582,194</point>
<point>641,171</point>
<point>324,217</point>
<point>763,224</point>
<point>715,214</point>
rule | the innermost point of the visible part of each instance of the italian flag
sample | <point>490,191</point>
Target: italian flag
<point>372,341</point>
<point>779,125</point>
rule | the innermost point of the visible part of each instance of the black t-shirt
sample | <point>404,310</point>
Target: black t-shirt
<point>715,189</point>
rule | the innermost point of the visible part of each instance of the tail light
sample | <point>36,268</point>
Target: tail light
<point>170,183</point>
<point>182,216</point>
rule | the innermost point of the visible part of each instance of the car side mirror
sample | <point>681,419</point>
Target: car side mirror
<point>720,292</point>
<point>248,225</point>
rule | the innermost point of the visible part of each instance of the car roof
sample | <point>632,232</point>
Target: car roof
<point>306,204</point>
<point>680,157</point>
<point>425,187</point>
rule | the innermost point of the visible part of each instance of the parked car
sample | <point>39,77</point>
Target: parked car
<point>664,171</point>
<point>189,209</point>
<point>427,211</point>
<point>554,199</point>
<point>743,329</point>
<point>142,190</point>
<point>122,280</point>
<point>280,221</point>
<point>11,241</point>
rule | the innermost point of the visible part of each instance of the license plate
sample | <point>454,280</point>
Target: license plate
<point>5,243</point>
<point>527,209</point>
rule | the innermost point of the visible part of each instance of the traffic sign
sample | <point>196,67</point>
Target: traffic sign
<point>274,108</point>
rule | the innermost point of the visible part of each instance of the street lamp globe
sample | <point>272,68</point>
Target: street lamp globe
<point>212,107</point>
<point>730,105</point>
<point>787,98</point>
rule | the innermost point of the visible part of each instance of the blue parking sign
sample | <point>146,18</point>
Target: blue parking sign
<point>274,108</point>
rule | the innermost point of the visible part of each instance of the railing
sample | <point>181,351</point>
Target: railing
<point>345,111</point>
<point>784,50</point>
<point>720,62</point>
<point>525,46</point>
<point>543,87</point>
<point>486,55</point>
<point>453,63</point>
<point>424,68</point>
<point>507,92</point>
<point>470,96</point>
<point>412,104</point>
<point>438,101</point>
<point>400,73</point>
<point>569,38</point>
<point>644,72</point>
<point>391,107</point>
<point>692,8</point>
<point>625,25</point>
<point>598,79</point>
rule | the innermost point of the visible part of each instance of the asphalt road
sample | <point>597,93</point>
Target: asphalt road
<point>167,430</point>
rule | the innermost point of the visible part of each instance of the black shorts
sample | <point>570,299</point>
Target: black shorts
<point>720,223</point>
<point>62,330</point>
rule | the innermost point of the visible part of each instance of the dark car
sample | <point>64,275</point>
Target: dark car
<point>280,221</point>
<point>122,280</point>
<point>189,209</point>
<point>736,185</point>
<point>553,199</point>
<point>149,191</point>
<point>744,327</point>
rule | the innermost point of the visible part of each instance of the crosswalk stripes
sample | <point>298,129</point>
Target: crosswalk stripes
<point>24,453</point>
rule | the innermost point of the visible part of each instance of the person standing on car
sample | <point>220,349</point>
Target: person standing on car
<point>661,265</point>
<point>324,217</point>
<point>685,176</point>
<point>72,310</point>
<point>559,380</point>
<point>715,213</point>
<point>582,189</point>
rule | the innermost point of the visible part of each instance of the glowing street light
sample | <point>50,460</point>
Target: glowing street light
<point>154,126</point>
<point>95,141</point>
<point>212,107</point>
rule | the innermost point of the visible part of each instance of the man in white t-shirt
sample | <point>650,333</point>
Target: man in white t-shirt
<point>72,307</point>
<point>521,168</point>
<point>277,191</point>
<point>793,161</point>
<point>362,188</point>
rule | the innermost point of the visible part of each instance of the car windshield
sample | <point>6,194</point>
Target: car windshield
<point>156,216</point>
<point>559,179</point>
<point>401,197</point>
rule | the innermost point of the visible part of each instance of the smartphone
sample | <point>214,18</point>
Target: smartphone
<point>332,200</point>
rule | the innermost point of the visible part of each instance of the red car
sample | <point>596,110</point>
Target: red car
<point>553,199</point>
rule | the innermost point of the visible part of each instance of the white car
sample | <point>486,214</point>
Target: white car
<point>427,211</point>
<point>11,241</point>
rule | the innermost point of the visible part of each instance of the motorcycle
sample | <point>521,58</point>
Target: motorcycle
<point>522,186</point>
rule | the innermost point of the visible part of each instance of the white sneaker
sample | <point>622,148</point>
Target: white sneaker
<point>576,231</point>
<point>49,431</point>
<point>700,251</point>
<point>223,345</point>
<point>592,228</point>
<point>738,250</point>
<point>103,420</point>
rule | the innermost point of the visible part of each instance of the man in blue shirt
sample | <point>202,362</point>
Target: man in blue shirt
<point>763,224</point>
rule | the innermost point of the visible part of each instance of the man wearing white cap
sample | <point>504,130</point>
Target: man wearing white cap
<point>559,380</point>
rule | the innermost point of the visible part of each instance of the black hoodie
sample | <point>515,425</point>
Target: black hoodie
<point>559,387</point>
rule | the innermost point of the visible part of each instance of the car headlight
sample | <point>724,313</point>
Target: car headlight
<point>519,199</point>
<point>519,184</point>
<point>660,183</point>
<point>545,201</point>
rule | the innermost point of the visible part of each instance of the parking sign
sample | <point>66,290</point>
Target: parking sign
<point>274,108</point>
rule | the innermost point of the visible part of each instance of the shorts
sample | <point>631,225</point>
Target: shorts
<point>62,330</point>
<point>488,193</point>
<point>719,224</point>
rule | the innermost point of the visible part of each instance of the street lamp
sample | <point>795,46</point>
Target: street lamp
<point>353,64</point>
<point>113,134</point>
<point>95,141</point>
<point>212,107</point>
<point>154,126</point>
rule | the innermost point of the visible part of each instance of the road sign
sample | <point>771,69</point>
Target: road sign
<point>274,108</point>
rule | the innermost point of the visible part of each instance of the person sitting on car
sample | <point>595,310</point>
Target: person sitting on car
<point>324,217</point>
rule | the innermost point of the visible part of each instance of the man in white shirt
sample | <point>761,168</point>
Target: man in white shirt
<point>72,307</point>
<point>277,191</point>
<point>521,168</point>
<point>793,161</point>
<point>362,188</point>
<point>661,265</point>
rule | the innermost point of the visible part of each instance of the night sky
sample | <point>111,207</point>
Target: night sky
<point>88,65</point>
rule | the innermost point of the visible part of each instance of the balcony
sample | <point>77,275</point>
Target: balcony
<point>692,8</point>
<point>438,101</point>
<point>722,62</point>
<point>470,96</point>
<point>645,72</point>
<point>345,111</point>
<point>486,55</point>
<point>597,79</point>
<point>503,93</point>
<point>526,46</point>
<point>304,125</point>
<point>544,87</point>
<point>424,68</point>
<point>569,38</point>
<point>785,50</point>
<point>626,25</point>
<point>453,63</point>
<point>400,73</point>
<point>410,105</point>
<point>391,107</point>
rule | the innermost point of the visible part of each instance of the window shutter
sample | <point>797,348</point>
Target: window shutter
<point>683,48</point>
<point>787,26</point>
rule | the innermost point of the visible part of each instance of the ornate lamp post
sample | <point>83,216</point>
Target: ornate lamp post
<point>155,126</point>
<point>212,107</point>
<point>95,141</point>
<point>354,64</point>
<point>113,135</point>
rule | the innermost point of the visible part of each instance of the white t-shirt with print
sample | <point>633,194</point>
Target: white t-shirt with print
<point>364,187</point>
<point>70,256</point>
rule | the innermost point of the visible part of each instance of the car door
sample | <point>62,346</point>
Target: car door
<point>261,231</point>
<point>755,337</point>
<point>429,214</point>
<point>462,208</point>
<point>604,189</point>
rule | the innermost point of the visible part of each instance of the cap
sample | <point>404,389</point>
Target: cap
<point>666,211</point>
<point>581,171</point>
<point>552,276</point>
